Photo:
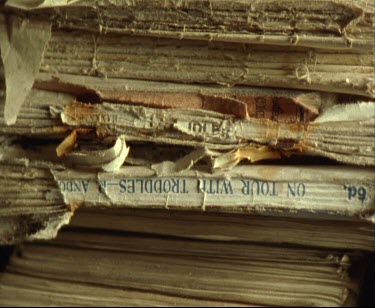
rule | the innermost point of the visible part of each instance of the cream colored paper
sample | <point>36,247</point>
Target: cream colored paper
<point>22,43</point>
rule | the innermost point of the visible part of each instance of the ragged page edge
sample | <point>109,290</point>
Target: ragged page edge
<point>22,44</point>
<point>52,226</point>
<point>28,227</point>
<point>358,10</point>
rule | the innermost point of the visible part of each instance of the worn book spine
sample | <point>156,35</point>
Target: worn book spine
<point>294,122</point>
<point>40,196</point>
<point>335,134</point>
<point>275,190</point>
<point>334,24</point>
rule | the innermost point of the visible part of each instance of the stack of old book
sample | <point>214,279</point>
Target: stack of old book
<point>214,152</point>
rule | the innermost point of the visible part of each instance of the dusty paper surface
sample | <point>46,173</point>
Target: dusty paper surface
<point>190,61</point>
<point>238,228</point>
<point>22,43</point>
<point>348,23</point>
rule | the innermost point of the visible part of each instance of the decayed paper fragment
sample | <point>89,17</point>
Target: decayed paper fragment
<point>67,145</point>
<point>218,160</point>
<point>23,226</point>
<point>32,206</point>
<point>250,153</point>
<point>22,43</point>
<point>109,160</point>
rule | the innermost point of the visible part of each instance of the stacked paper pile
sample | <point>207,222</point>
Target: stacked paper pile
<point>254,117</point>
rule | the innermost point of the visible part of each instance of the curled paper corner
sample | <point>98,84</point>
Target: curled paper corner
<point>218,160</point>
<point>251,153</point>
<point>108,160</point>
<point>116,163</point>
<point>22,44</point>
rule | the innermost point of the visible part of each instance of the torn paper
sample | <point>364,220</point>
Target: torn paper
<point>22,44</point>
<point>67,145</point>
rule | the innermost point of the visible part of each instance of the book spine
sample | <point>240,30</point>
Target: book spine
<point>266,190</point>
